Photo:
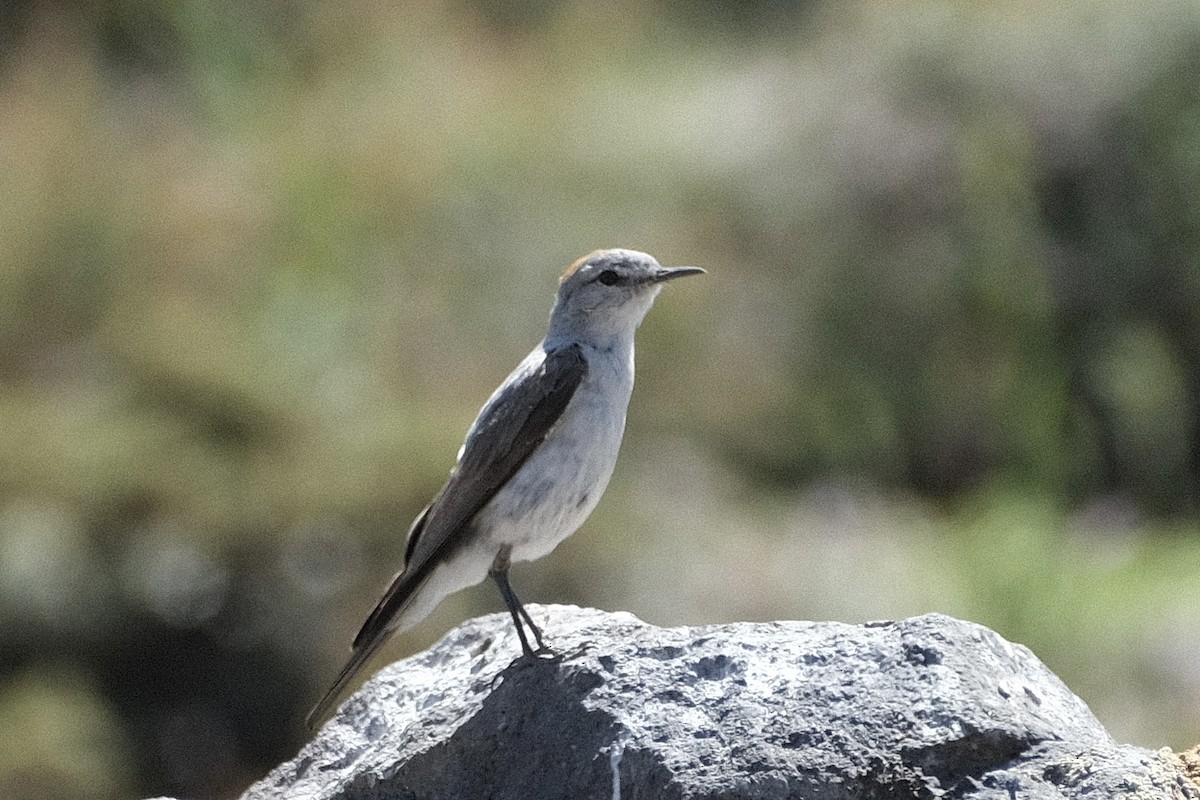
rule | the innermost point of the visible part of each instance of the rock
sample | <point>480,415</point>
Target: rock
<point>926,707</point>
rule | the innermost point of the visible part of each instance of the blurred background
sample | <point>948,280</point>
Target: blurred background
<point>947,356</point>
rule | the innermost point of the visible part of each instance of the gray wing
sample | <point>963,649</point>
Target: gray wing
<point>508,430</point>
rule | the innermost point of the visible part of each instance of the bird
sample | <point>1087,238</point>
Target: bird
<point>535,461</point>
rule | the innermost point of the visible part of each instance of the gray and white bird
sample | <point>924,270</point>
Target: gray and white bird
<point>536,459</point>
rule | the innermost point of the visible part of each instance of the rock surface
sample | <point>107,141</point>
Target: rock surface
<point>920,708</point>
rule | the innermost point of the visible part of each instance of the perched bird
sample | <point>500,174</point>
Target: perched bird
<point>536,459</point>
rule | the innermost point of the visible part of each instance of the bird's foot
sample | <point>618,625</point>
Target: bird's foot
<point>542,653</point>
<point>537,657</point>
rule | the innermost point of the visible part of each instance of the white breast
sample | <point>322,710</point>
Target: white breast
<point>557,488</point>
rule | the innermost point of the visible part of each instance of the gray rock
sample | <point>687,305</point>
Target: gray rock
<point>921,708</point>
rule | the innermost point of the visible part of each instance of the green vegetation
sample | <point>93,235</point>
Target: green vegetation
<point>947,356</point>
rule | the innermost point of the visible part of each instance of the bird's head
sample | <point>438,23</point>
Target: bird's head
<point>606,294</point>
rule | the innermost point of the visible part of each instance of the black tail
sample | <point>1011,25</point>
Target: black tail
<point>382,621</point>
<point>358,660</point>
<point>385,619</point>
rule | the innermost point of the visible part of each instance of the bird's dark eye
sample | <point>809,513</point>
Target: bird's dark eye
<point>608,277</point>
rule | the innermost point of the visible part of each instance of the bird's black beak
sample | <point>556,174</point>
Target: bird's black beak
<point>671,273</point>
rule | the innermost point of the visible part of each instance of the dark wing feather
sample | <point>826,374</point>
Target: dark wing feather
<point>507,432</point>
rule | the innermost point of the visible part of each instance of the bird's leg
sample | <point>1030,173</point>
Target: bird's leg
<point>499,573</point>
<point>537,633</point>
<point>518,613</point>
